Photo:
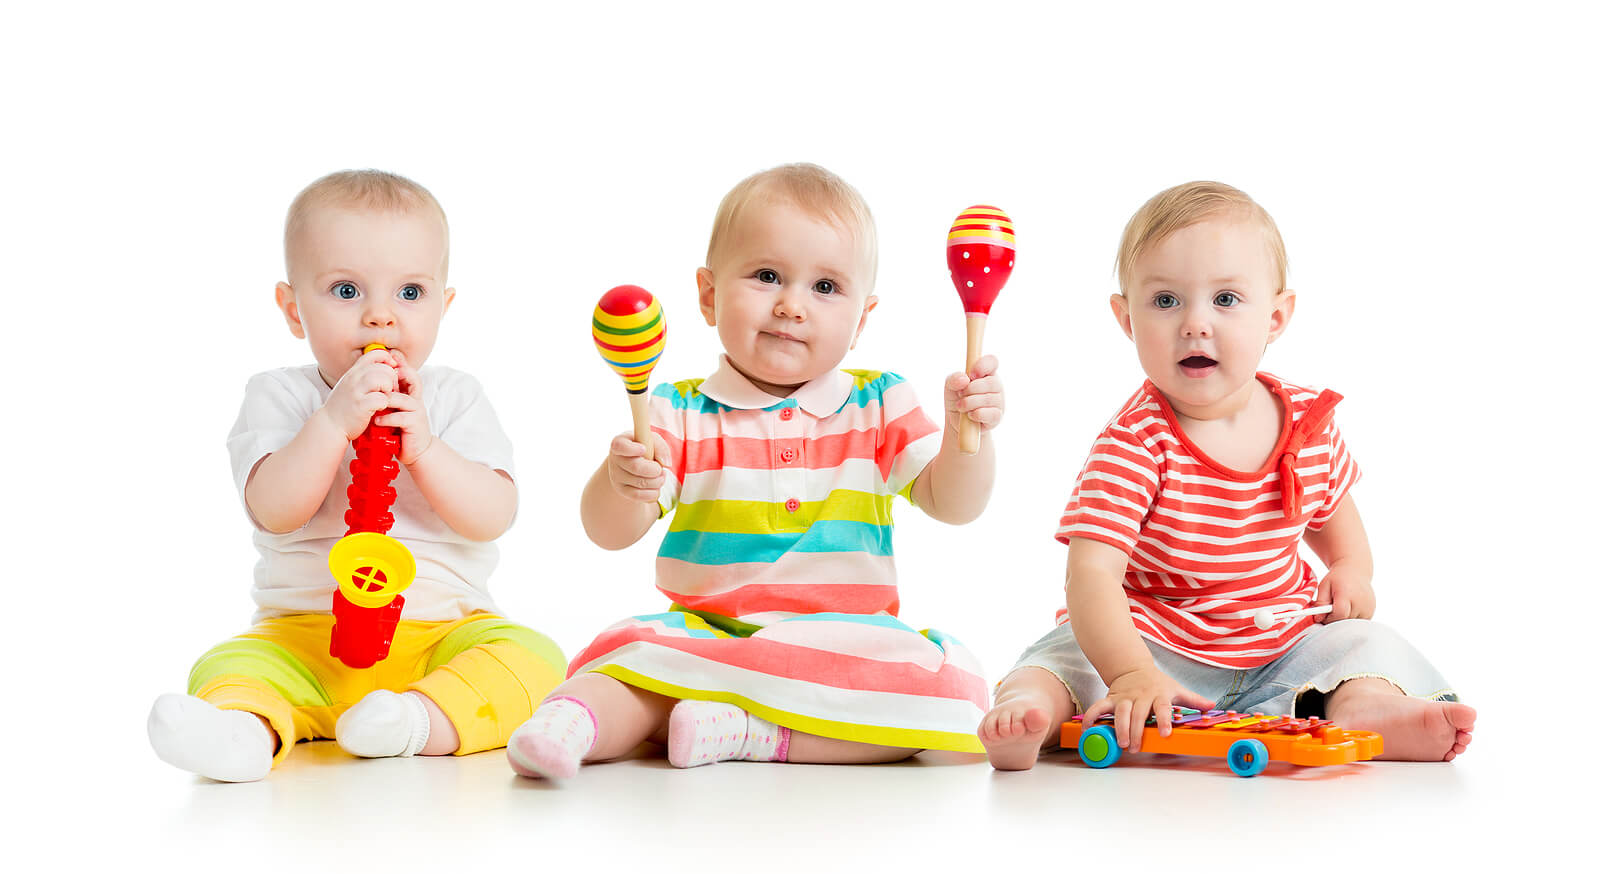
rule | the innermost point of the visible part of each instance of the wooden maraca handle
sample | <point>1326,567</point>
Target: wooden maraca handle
<point>640,404</point>
<point>972,432</point>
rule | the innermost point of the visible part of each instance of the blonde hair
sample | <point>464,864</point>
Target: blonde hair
<point>364,189</point>
<point>1191,203</point>
<point>815,191</point>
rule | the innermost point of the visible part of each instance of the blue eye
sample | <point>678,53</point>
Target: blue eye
<point>824,286</point>
<point>411,293</point>
<point>1166,300</point>
<point>1226,299</point>
<point>345,291</point>
<point>767,276</point>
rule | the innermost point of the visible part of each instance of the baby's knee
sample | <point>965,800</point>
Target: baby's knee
<point>1356,634</point>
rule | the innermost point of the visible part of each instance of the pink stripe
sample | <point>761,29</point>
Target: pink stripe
<point>677,578</point>
<point>876,642</point>
<point>804,664</point>
<point>901,433</point>
<point>752,599</point>
<point>896,401</point>
<point>715,453</point>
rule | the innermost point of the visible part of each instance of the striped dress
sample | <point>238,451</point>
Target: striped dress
<point>779,564</point>
<point>1208,545</point>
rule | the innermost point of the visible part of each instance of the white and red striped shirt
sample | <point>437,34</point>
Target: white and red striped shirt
<point>1208,545</point>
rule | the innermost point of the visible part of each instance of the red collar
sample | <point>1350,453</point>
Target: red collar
<point>1291,442</point>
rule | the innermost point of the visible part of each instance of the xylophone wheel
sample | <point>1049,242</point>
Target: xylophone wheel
<point>1098,747</point>
<point>1247,757</point>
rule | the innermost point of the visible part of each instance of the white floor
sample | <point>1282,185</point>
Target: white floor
<point>953,811</point>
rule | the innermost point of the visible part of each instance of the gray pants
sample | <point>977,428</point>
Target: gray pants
<point>1332,653</point>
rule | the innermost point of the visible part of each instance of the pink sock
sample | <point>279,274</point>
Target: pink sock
<point>702,732</point>
<point>553,742</point>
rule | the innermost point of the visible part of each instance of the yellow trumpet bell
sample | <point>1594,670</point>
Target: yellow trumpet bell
<point>371,568</point>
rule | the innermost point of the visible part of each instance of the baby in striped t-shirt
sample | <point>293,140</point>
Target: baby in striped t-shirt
<point>1185,526</point>
<point>779,473</point>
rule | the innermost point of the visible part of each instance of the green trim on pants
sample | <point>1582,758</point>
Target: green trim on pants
<point>266,661</point>
<point>482,631</point>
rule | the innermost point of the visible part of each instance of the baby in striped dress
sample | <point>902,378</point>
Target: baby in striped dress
<point>1184,529</point>
<point>779,472</point>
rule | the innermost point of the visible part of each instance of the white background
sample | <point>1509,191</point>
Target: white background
<point>1431,168</point>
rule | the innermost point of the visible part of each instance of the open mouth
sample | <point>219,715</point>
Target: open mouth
<point>1197,365</point>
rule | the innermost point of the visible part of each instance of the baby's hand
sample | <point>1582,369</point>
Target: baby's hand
<point>977,395</point>
<point>363,390</point>
<point>1137,694</point>
<point>633,476</point>
<point>407,412</point>
<point>1350,594</point>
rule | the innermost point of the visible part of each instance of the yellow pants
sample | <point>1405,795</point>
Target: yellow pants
<point>485,673</point>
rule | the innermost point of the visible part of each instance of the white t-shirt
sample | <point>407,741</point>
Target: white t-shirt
<point>292,575</point>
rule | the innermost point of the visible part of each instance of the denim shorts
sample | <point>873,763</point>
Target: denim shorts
<point>1292,684</point>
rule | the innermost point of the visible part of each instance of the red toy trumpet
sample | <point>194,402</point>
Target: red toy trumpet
<point>371,567</point>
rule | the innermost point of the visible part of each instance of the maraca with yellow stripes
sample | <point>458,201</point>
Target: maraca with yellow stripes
<point>981,250</point>
<point>630,331</point>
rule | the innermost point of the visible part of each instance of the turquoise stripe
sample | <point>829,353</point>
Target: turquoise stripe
<point>708,547</point>
<point>629,365</point>
<point>873,391</point>
<point>676,620</point>
<point>944,641</point>
<point>694,402</point>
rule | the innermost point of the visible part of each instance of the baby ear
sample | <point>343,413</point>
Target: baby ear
<point>708,294</point>
<point>1119,308</point>
<point>872,303</point>
<point>1282,312</point>
<point>449,298</point>
<point>283,294</point>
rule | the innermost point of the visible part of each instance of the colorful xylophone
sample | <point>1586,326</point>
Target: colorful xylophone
<point>1246,740</point>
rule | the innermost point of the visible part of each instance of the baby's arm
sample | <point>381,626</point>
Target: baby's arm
<point>619,502</point>
<point>1342,545</point>
<point>1103,626</point>
<point>954,488</point>
<point>475,500</point>
<point>285,489</point>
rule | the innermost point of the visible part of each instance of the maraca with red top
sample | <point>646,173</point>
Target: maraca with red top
<point>630,331</point>
<point>371,567</point>
<point>981,251</point>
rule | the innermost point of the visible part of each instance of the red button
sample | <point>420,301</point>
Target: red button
<point>786,413</point>
<point>792,504</point>
<point>787,455</point>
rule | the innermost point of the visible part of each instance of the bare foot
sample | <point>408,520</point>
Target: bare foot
<point>1014,730</point>
<point>1413,729</point>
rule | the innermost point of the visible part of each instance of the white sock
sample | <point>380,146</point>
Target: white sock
<point>553,742</point>
<point>702,732</point>
<point>384,724</point>
<point>228,745</point>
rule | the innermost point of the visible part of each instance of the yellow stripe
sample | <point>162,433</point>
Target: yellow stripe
<point>920,739</point>
<point>629,320</point>
<point>984,232</point>
<point>755,517</point>
<point>612,355</point>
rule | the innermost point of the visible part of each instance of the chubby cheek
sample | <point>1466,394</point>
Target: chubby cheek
<point>1154,354</point>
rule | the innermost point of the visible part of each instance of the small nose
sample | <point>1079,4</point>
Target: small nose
<point>1196,325</point>
<point>790,305</point>
<point>378,315</point>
